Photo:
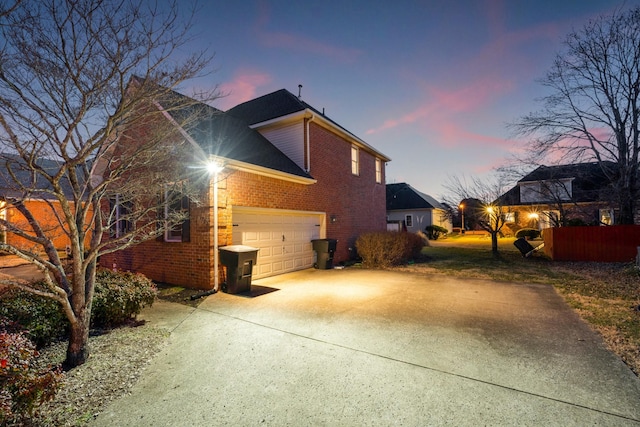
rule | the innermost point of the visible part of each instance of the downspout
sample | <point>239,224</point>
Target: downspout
<point>307,142</point>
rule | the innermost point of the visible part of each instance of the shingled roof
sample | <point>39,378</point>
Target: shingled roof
<point>18,180</point>
<point>224,135</point>
<point>403,196</point>
<point>282,103</point>
<point>589,181</point>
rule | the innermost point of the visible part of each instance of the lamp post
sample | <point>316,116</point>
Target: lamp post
<point>462,213</point>
<point>214,168</point>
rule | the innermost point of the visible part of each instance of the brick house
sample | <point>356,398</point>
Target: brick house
<point>551,196</point>
<point>19,183</point>
<point>414,209</point>
<point>291,174</point>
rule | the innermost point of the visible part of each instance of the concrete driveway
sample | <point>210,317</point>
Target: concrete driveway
<point>353,347</point>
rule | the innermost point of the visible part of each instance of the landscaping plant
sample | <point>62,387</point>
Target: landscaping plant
<point>388,248</point>
<point>23,385</point>
<point>120,296</point>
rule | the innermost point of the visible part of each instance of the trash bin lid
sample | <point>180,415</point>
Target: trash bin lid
<point>239,248</point>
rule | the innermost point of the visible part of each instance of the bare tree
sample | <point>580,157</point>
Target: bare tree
<point>73,75</point>
<point>592,111</point>
<point>485,210</point>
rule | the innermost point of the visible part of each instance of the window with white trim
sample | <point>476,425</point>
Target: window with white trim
<point>121,210</point>
<point>378,170</point>
<point>176,206</point>
<point>606,217</point>
<point>355,160</point>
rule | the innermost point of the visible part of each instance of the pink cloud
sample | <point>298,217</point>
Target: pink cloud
<point>297,42</point>
<point>242,88</point>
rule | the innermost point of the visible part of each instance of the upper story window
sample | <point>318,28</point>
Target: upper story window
<point>355,160</point>
<point>378,171</point>
<point>509,217</point>
<point>546,191</point>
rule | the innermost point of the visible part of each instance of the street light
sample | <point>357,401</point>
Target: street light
<point>214,168</point>
<point>462,213</point>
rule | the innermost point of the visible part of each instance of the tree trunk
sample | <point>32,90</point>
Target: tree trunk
<point>78,348</point>
<point>494,242</point>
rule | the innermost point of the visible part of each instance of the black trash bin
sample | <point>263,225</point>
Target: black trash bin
<point>324,253</point>
<point>239,260</point>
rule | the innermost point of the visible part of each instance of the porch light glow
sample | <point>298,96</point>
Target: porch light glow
<point>214,167</point>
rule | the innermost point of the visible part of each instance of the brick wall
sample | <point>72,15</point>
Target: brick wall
<point>357,202</point>
<point>46,213</point>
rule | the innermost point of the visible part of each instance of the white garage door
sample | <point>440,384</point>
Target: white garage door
<point>283,237</point>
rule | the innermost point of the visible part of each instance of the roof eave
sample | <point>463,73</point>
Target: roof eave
<point>263,171</point>
<point>324,122</point>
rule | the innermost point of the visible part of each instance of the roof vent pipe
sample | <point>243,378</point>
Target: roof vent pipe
<point>299,91</point>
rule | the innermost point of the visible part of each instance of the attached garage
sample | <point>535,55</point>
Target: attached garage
<point>283,237</point>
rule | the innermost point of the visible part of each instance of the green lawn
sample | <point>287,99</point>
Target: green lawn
<point>607,295</point>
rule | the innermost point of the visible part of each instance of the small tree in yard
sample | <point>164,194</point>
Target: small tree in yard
<point>487,210</point>
<point>592,112</point>
<point>67,92</point>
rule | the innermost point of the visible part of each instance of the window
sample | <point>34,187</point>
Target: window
<point>606,217</point>
<point>378,171</point>
<point>509,217</point>
<point>121,210</point>
<point>176,215</point>
<point>355,160</point>
<point>408,220</point>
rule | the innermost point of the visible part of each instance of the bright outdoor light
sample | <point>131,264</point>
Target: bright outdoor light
<point>533,215</point>
<point>490,209</point>
<point>214,167</point>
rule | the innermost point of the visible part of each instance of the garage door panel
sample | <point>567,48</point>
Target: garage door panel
<point>266,231</point>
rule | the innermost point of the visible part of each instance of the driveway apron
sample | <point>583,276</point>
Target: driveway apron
<point>358,347</point>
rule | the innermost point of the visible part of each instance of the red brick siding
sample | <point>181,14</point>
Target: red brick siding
<point>357,202</point>
<point>46,214</point>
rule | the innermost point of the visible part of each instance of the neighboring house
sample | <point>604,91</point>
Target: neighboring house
<point>413,209</point>
<point>290,175</point>
<point>18,182</point>
<point>560,195</point>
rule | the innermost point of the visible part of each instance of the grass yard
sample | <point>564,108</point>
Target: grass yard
<point>606,295</point>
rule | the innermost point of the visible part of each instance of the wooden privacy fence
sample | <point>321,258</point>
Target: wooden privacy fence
<point>616,243</point>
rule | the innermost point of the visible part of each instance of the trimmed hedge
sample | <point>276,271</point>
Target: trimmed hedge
<point>388,248</point>
<point>435,231</point>
<point>119,297</point>
<point>41,319</point>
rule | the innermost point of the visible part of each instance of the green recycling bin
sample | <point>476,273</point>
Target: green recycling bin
<point>239,260</point>
<point>324,253</point>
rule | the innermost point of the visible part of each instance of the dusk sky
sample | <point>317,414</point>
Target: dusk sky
<point>431,84</point>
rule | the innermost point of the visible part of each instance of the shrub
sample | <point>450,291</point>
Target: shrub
<point>388,248</point>
<point>435,231</point>
<point>120,296</point>
<point>23,386</point>
<point>41,318</point>
<point>530,233</point>
<point>576,222</point>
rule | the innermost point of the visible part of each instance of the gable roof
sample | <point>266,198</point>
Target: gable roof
<point>283,103</point>
<point>29,184</point>
<point>588,181</point>
<point>402,196</point>
<point>228,137</point>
